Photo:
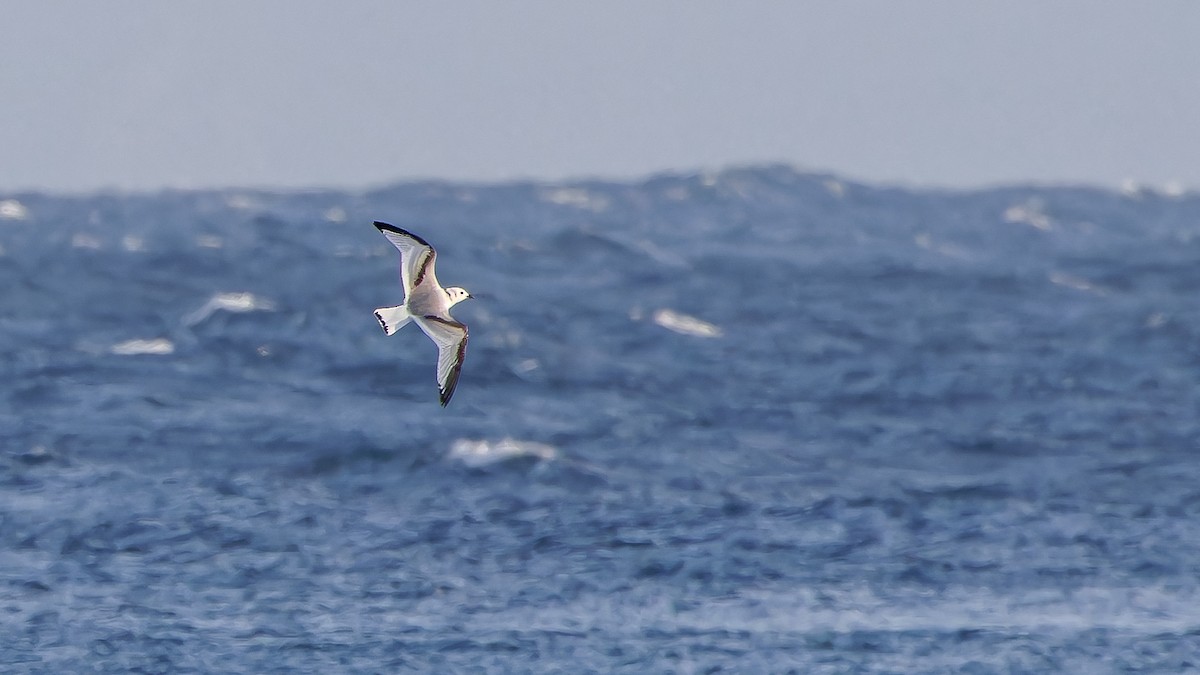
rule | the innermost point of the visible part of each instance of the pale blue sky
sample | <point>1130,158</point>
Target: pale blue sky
<point>299,93</point>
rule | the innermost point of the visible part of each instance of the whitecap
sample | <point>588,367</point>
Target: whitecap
<point>685,325</point>
<point>11,209</point>
<point>482,453</point>
<point>159,346</point>
<point>526,366</point>
<point>577,197</point>
<point>237,303</point>
<point>1030,213</point>
<point>83,240</point>
<point>1077,283</point>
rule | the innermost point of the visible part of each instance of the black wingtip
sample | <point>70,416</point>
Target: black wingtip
<point>452,381</point>
<point>444,395</point>
<point>388,227</point>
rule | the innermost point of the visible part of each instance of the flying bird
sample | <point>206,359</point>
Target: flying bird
<point>428,305</point>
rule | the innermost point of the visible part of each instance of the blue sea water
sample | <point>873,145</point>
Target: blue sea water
<point>754,420</point>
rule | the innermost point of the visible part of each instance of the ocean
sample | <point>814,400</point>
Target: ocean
<point>752,420</point>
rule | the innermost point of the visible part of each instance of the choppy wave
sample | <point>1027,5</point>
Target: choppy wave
<point>755,420</point>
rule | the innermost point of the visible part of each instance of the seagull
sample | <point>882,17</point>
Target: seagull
<point>428,305</point>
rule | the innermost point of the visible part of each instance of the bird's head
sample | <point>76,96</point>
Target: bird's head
<point>457,294</point>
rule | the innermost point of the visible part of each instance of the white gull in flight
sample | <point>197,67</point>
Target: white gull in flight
<point>427,304</point>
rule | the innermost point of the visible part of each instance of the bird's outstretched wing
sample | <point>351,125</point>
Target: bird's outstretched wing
<point>416,255</point>
<point>450,337</point>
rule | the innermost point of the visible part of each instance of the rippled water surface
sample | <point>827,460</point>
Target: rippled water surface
<point>752,421</point>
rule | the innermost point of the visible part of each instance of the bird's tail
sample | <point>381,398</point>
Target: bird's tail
<point>392,319</point>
